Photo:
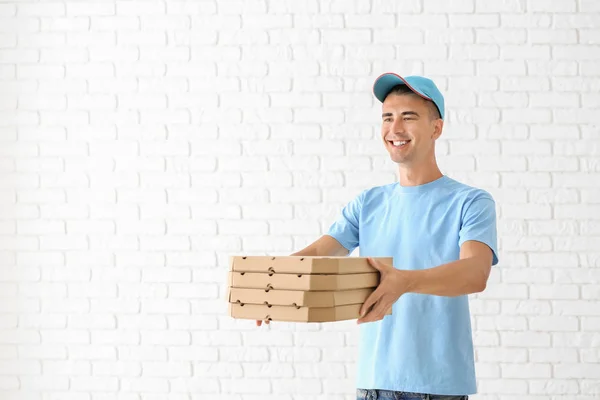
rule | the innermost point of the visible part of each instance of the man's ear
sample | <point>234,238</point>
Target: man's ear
<point>437,129</point>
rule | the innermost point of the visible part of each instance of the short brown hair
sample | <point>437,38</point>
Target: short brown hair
<point>403,90</point>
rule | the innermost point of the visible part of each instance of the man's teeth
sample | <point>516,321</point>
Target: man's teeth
<point>400,143</point>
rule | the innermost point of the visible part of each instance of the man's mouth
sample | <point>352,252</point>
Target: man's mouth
<point>398,143</point>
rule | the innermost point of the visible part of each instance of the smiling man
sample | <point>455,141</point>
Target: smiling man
<point>441,234</point>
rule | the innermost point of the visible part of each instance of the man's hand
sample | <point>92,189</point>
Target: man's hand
<point>392,285</point>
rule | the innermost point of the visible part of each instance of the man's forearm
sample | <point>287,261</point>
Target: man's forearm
<point>456,278</point>
<point>307,252</point>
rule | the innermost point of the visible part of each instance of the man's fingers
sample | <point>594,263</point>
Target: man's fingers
<point>376,313</point>
<point>374,263</point>
<point>372,299</point>
<point>259,322</point>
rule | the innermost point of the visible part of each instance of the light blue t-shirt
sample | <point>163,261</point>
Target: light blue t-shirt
<point>425,346</point>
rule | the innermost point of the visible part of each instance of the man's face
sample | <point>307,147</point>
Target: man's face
<point>407,129</point>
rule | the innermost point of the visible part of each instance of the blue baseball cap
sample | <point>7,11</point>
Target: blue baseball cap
<point>422,86</point>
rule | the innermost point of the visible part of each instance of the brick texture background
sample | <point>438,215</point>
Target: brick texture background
<point>143,142</point>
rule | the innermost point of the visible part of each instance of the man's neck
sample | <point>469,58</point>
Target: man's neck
<point>411,176</point>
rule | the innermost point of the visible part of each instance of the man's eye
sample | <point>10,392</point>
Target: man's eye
<point>387,119</point>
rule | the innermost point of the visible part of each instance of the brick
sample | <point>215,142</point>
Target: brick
<point>551,6</point>
<point>525,339</point>
<point>527,371</point>
<point>344,7</point>
<point>553,355</point>
<point>508,355</point>
<point>576,370</point>
<point>528,20</point>
<point>268,243</point>
<point>318,20</point>
<point>144,384</point>
<point>501,6</point>
<point>114,23</point>
<point>19,24</point>
<point>474,21</point>
<point>299,385</point>
<point>8,10</point>
<point>20,367</point>
<point>90,8</point>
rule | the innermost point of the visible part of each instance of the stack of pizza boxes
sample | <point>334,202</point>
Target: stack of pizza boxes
<point>300,289</point>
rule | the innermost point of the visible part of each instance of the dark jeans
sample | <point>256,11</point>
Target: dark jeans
<point>373,394</point>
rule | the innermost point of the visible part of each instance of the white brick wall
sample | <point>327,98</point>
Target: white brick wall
<point>143,142</point>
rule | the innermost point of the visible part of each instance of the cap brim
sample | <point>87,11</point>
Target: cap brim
<point>385,82</point>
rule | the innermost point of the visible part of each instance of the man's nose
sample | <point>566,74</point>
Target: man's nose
<point>398,125</point>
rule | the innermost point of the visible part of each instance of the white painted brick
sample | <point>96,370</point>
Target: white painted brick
<point>20,56</point>
<point>344,7</point>
<point>145,384</point>
<point>525,339</point>
<point>9,383</point>
<point>551,6</point>
<point>19,243</point>
<point>14,305</point>
<point>7,71</point>
<point>114,23</point>
<point>317,20</point>
<point>42,352</point>
<point>155,54</point>
<point>268,244</point>
<point>555,36</point>
<point>223,370</point>
<point>296,36</point>
<point>187,7</point>
<point>107,53</point>
<point>525,84</point>
<point>474,21</point>
<point>100,384</point>
<point>142,353</point>
<point>67,24</point>
<point>8,10</point>
<point>298,385</point>
<point>576,370</point>
<point>118,368</point>
<point>506,6</point>
<point>494,355</point>
<point>526,371</point>
<point>90,70</point>
<point>92,321</point>
<point>19,24</point>
<point>166,369</point>
<point>235,37</point>
<point>552,68</point>
<point>21,367</point>
<point>462,6</point>
<point>504,100</point>
<point>501,163</point>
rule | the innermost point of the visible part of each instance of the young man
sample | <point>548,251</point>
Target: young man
<point>442,236</point>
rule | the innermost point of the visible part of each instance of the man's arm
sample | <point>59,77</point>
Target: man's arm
<point>467,275</point>
<point>325,246</point>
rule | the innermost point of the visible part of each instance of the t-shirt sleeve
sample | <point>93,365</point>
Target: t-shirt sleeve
<point>345,229</point>
<point>479,223</point>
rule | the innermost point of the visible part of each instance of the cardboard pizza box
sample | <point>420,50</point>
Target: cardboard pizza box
<point>279,281</point>
<point>299,298</point>
<point>304,265</point>
<point>296,314</point>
